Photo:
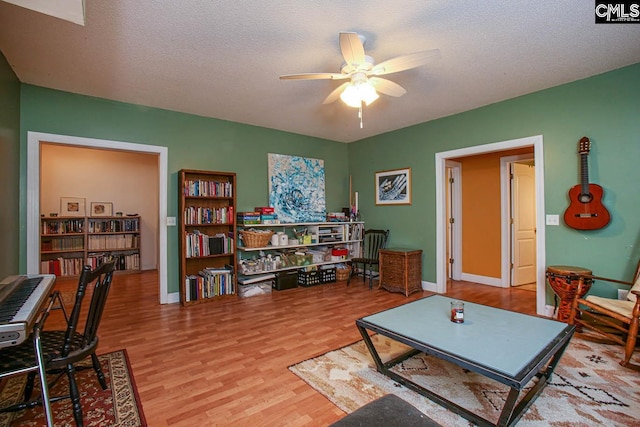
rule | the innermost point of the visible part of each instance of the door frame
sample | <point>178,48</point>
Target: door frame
<point>506,205</point>
<point>440,167</point>
<point>34,139</point>
<point>456,213</point>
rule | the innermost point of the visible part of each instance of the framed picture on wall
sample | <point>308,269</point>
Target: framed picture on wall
<point>393,187</point>
<point>72,206</point>
<point>101,209</point>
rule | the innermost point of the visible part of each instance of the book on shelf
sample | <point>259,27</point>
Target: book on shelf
<point>54,225</point>
<point>265,209</point>
<point>118,225</point>
<point>207,188</point>
<point>209,283</point>
<point>62,266</point>
<point>200,215</point>
<point>336,217</point>
<point>198,244</point>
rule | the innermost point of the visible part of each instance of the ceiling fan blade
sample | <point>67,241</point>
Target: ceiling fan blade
<point>387,86</point>
<point>352,49</point>
<point>405,62</point>
<point>314,76</point>
<point>335,94</point>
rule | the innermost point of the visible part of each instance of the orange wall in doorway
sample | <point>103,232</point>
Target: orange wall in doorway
<point>481,232</point>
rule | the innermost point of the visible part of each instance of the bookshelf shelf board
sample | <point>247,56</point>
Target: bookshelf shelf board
<point>100,251</point>
<point>209,224</point>
<point>209,198</point>
<point>211,256</point>
<point>293,267</point>
<point>62,251</point>
<point>103,233</point>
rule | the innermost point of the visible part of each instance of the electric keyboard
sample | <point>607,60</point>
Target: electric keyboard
<point>21,300</point>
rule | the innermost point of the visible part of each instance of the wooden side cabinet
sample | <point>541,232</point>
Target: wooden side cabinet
<point>401,270</point>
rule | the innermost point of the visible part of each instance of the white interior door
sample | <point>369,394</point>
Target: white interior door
<point>523,203</point>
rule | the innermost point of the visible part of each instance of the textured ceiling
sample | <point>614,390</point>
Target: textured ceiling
<point>222,58</point>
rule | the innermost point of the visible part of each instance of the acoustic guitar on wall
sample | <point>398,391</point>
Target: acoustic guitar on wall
<point>586,211</point>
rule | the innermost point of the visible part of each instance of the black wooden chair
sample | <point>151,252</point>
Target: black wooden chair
<point>374,240</point>
<point>61,349</point>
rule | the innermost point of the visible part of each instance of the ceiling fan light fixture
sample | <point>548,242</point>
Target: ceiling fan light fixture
<point>357,93</point>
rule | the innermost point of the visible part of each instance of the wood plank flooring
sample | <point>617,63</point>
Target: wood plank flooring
<point>225,363</point>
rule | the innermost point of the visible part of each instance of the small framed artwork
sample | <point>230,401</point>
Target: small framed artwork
<point>72,206</point>
<point>393,187</point>
<point>101,209</point>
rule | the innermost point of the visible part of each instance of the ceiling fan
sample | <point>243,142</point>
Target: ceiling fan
<point>362,71</point>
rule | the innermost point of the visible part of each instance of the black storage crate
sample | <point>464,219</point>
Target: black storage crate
<point>327,275</point>
<point>309,278</point>
<point>286,280</point>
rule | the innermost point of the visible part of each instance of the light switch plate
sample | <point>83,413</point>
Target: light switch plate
<point>171,220</point>
<point>553,219</point>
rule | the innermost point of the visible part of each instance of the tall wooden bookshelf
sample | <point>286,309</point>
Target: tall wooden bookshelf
<point>207,229</point>
<point>69,243</point>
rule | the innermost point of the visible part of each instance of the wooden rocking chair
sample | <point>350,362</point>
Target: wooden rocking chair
<point>615,320</point>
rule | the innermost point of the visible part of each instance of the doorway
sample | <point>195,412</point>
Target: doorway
<point>34,139</point>
<point>441,213</point>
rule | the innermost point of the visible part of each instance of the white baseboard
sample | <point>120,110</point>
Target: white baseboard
<point>548,311</point>
<point>484,280</point>
<point>173,298</point>
<point>429,286</point>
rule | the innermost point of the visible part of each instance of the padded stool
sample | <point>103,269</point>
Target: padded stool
<point>387,411</point>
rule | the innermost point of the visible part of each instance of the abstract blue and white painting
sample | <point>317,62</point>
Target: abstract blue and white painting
<point>296,188</point>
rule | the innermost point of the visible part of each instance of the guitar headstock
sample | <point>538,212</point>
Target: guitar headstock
<point>584,145</point>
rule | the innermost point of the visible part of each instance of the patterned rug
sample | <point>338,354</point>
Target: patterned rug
<point>119,405</point>
<point>588,387</point>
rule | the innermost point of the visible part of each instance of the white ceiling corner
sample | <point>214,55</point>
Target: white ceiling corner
<point>69,10</point>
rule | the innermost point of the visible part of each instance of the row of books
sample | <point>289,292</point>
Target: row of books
<point>63,226</point>
<point>201,215</point>
<point>62,266</point>
<point>113,225</point>
<point>114,241</point>
<point>66,244</point>
<point>123,261</point>
<point>209,283</point>
<point>202,188</point>
<point>337,217</point>
<point>198,244</point>
<point>257,217</point>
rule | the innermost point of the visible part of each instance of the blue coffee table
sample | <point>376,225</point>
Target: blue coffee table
<point>508,347</point>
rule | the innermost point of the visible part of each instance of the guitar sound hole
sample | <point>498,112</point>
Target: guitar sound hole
<point>585,198</point>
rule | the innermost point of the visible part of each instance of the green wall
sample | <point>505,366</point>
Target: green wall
<point>193,142</point>
<point>9,169</point>
<point>606,108</point>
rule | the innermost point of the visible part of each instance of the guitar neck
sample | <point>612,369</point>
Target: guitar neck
<point>584,173</point>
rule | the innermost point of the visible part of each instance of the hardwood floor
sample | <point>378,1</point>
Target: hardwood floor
<point>225,362</point>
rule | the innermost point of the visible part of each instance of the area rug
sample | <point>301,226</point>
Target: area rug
<point>119,405</point>
<point>588,387</point>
